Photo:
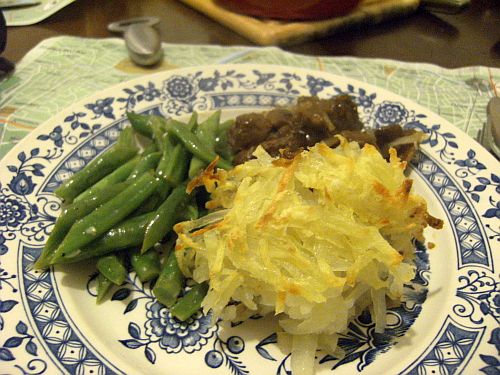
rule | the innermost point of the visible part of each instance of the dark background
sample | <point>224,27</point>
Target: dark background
<point>471,37</point>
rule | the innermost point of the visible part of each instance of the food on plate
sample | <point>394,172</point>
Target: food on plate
<point>286,131</point>
<point>119,217</point>
<point>314,240</point>
<point>298,211</point>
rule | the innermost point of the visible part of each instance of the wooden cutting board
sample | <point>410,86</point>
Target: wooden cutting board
<point>271,32</point>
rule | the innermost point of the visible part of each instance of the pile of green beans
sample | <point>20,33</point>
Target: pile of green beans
<point>121,206</point>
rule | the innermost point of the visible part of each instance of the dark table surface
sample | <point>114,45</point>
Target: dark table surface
<point>471,37</point>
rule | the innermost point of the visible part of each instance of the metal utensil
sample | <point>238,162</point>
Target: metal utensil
<point>141,38</point>
<point>489,136</point>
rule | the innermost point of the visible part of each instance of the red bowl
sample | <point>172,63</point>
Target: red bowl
<point>291,9</point>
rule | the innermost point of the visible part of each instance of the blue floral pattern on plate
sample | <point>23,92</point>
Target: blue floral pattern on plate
<point>42,329</point>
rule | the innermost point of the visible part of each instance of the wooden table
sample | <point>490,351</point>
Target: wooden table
<point>469,38</point>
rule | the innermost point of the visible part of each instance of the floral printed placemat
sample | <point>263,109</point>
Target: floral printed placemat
<point>63,70</point>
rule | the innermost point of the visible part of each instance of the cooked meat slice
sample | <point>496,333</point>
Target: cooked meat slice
<point>405,141</point>
<point>286,137</point>
<point>332,142</point>
<point>387,134</point>
<point>286,131</point>
<point>243,155</point>
<point>311,113</point>
<point>343,113</point>
<point>249,129</point>
<point>289,154</point>
<point>362,137</point>
<point>405,151</point>
<point>279,117</point>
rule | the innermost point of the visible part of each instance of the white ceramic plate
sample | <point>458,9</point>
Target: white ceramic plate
<point>49,322</point>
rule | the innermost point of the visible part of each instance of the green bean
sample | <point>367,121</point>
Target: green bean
<point>170,282</point>
<point>190,302</point>
<point>193,144</point>
<point>222,146</point>
<point>70,215</point>
<point>140,124</point>
<point>164,218</point>
<point>163,167</point>
<point>118,175</point>
<point>103,286</point>
<point>168,147</point>
<point>152,203</point>
<point>149,149</point>
<point>206,131</point>
<point>106,216</point>
<point>192,211</point>
<point>175,170</point>
<point>188,211</point>
<point>127,234</point>
<point>195,167</point>
<point>157,125</point>
<point>112,267</point>
<point>193,122</point>
<point>147,162</point>
<point>124,150</point>
<point>215,134</point>
<point>147,266</point>
<point>162,192</point>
